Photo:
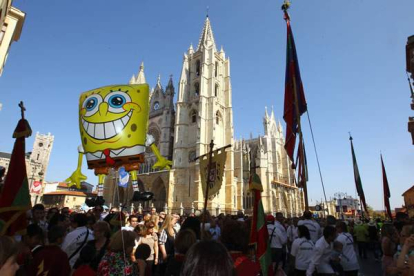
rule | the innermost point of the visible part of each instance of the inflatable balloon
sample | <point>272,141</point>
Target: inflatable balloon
<point>113,122</point>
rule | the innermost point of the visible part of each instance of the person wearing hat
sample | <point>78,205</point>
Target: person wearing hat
<point>277,239</point>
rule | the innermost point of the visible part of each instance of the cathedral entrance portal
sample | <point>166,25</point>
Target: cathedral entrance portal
<point>160,193</point>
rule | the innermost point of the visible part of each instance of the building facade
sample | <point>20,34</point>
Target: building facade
<point>11,24</point>
<point>410,70</point>
<point>409,201</point>
<point>204,113</point>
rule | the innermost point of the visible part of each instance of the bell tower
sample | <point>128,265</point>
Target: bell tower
<point>204,113</point>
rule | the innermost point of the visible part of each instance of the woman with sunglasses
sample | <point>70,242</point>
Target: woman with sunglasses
<point>150,237</point>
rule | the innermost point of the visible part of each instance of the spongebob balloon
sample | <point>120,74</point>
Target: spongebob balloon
<point>113,122</point>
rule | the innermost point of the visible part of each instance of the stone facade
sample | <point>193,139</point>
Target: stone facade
<point>204,113</point>
<point>11,24</point>
<point>273,167</point>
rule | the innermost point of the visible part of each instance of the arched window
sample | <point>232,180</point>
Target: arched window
<point>197,89</point>
<point>198,69</point>
<point>216,90</point>
<point>193,116</point>
<point>216,69</point>
<point>218,118</point>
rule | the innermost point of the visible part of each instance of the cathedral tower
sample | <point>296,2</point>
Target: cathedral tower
<point>39,158</point>
<point>204,113</point>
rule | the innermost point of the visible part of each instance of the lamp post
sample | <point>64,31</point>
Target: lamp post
<point>340,196</point>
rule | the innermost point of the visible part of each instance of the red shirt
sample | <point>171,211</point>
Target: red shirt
<point>84,270</point>
<point>244,266</point>
<point>50,261</point>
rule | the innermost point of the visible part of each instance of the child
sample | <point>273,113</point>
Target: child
<point>336,256</point>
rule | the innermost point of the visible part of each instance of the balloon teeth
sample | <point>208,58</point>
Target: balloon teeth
<point>104,131</point>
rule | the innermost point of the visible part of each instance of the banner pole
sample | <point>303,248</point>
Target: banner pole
<point>210,159</point>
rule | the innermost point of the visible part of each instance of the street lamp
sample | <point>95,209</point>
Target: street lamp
<point>340,196</point>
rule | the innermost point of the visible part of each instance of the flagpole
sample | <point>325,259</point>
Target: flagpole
<point>285,7</point>
<point>210,159</point>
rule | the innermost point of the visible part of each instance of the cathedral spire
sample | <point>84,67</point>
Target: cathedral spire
<point>206,37</point>
<point>170,82</point>
<point>266,117</point>
<point>141,76</point>
<point>190,49</point>
<point>159,81</point>
<point>272,116</point>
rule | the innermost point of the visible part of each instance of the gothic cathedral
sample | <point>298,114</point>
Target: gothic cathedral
<point>204,113</point>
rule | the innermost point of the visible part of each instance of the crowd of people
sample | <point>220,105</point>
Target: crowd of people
<point>64,242</point>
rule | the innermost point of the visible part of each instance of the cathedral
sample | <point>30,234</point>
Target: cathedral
<point>203,112</point>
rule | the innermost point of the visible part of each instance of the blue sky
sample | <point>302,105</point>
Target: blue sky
<point>351,54</point>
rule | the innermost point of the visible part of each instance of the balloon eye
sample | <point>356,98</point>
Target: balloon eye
<point>91,104</point>
<point>116,101</point>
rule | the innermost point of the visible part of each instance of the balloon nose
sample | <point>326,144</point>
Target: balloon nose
<point>103,109</point>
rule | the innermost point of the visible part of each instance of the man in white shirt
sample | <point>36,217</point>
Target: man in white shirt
<point>39,217</point>
<point>322,253</point>
<point>133,222</point>
<point>77,239</point>
<point>277,239</point>
<point>349,259</point>
<point>313,226</point>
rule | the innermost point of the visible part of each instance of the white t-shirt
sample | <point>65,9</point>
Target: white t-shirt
<point>277,235</point>
<point>74,240</point>
<point>313,227</point>
<point>128,228</point>
<point>302,250</point>
<point>321,257</point>
<point>349,259</point>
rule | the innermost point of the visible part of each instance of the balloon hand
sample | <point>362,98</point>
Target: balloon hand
<point>75,179</point>
<point>162,163</point>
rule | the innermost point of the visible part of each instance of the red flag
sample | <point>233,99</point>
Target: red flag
<point>386,188</point>
<point>15,197</point>
<point>259,235</point>
<point>295,102</point>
